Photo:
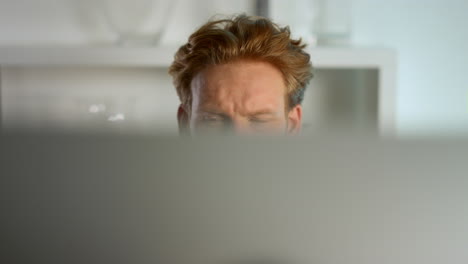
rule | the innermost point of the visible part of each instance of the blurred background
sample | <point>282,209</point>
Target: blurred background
<point>97,69</point>
<point>395,68</point>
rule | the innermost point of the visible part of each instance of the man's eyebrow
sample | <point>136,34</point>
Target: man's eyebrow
<point>211,112</point>
<point>263,112</point>
<point>252,114</point>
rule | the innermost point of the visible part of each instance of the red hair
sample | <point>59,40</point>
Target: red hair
<point>243,37</point>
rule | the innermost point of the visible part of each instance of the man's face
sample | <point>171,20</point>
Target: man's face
<point>247,97</point>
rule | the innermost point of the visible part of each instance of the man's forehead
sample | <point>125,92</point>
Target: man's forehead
<point>244,81</point>
<point>250,101</point>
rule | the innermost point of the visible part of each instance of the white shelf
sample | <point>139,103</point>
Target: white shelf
<point>87,56</point>
<point>322,57</point>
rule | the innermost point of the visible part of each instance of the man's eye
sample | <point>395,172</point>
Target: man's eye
<point>211,120</point>
<point>259,121</point>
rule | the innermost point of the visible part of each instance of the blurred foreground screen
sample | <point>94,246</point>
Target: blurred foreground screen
<point>329,199</point>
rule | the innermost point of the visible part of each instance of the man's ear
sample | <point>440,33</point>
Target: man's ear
<point>294,120</point>
<point>183,120</point>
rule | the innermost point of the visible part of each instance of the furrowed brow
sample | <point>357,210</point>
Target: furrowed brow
<point>212,112</point>
<point>265,112</point>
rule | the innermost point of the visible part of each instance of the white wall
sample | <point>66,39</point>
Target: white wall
<point>79,21</point>
<point>431,39</point>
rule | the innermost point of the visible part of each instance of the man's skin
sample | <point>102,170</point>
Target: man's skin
<point>244,97</point>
